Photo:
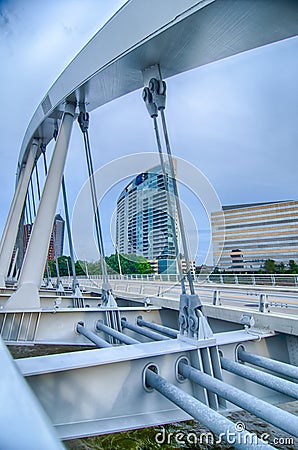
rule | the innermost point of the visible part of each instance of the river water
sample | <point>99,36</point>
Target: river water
<point>189,435</point>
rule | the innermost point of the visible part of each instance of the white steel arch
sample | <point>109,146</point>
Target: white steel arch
<point>175,35</point>
<point>178,35</point>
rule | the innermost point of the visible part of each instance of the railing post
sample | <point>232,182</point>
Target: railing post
<point>216,298</point>
<point>263,303</point>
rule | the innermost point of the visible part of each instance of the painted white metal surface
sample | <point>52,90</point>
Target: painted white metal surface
<point>15,213</point>
<point>27,295</point>
<point>100,391</point>
<point>97,357</point>
<point>23,422</point>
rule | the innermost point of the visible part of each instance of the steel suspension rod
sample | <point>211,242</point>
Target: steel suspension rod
<point>267,363</point>
<point>69,235</point>
<point>107,297</point>
<point>276,416</point>
<point>37,180</point>
<point>81,329</point>
<point>95,206</point>
<point>160,328</point>
<point>171,212</point>
<point>140,330</point>
<point>32,196</point>
<point>29,207</point>
<point>214,421</point>
<point>75,283</point>
<point>116,334</point>
<point>265,379</point>
<point>177,201</point>
<point>26,213</point>
<point>153,112</point>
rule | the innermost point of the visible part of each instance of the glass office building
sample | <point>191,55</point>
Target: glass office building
<point>58,235</point>
<point>255,233</point>
<point>143,223</point>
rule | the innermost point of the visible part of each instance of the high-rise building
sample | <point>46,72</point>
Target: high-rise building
<point>254,233</point>
<point>143,224</point>
<point>56,241</point>
<point>26,235</point>
<point>58,234</point>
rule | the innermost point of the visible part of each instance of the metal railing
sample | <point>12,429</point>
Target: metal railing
<point>262,297</point>
<point>247,279</point>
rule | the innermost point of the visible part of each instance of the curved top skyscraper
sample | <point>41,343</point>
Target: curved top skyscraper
<point>143,225</point>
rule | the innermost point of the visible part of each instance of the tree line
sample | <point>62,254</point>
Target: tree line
<point>271,266</point>
<point>129,264</point>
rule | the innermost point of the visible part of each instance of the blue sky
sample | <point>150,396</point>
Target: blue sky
<point>236,120</point>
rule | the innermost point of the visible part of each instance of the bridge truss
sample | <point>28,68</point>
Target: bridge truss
<point>158,362</point>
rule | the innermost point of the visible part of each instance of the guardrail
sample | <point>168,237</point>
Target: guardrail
<point>261,297</point>
<point>247,279</point>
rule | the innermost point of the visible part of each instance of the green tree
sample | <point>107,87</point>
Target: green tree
<point>52,268</point>
<point>293,267</point>
<point>64,264</point>
<point>130,264</point>
<point>80,268</point>
<point>280,268</point>
<point>269,266</point>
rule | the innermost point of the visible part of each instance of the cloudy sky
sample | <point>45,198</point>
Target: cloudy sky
<point>236,120</point>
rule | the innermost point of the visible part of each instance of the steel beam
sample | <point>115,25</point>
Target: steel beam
<point>24,424</point>
<point>101,390</point>
<point>27,295</point>
<point>11,228</point>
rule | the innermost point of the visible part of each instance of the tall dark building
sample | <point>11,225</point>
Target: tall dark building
<point>58,234</point>
<point>57,238</point>
<point>26,235</point>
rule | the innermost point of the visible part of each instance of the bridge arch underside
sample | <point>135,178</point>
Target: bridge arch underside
<point>176,36</point>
